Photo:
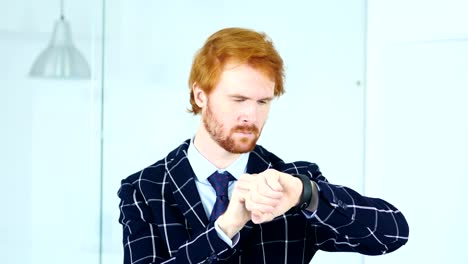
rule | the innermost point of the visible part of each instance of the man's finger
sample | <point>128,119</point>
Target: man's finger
<point>272,180</point>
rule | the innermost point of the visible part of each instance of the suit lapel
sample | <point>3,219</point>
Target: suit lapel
<point>182,182</point>
<point>258,161</point>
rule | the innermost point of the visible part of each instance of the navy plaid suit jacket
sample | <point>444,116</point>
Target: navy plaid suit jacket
<point>164,221</point>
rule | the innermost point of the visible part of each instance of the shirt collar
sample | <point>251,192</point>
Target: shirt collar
<point>203,168</point>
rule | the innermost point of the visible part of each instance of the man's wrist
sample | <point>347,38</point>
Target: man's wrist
<point>228,226</point>
<point>221,234</point>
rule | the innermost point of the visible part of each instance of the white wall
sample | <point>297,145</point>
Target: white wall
<point>417,130</point>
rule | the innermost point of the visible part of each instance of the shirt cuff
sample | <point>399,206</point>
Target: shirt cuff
<point>308,214</point>
<point>232,243</point>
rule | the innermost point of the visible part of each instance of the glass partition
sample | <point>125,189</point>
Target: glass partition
<point>50,137</point>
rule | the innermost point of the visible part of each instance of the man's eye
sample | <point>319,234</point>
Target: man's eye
<point>239,99</point>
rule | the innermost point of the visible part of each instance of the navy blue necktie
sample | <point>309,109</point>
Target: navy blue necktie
<point>220,182</point>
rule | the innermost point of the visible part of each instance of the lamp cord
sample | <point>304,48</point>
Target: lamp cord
<point>61,10</point>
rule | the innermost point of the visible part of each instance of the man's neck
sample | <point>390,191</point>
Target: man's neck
<point>212,151</point>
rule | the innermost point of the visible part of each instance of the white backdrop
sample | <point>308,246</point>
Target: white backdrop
<point>417,133</point>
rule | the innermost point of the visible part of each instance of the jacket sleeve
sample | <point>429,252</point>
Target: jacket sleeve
<point>348,221</point>
<point>144,244</point>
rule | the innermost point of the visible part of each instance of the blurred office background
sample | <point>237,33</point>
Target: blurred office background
<point>377,95</point>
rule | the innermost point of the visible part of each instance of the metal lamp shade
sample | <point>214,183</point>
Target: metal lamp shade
<point>61,59</point>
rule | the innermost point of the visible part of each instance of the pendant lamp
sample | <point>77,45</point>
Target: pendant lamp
<point>61,59</point>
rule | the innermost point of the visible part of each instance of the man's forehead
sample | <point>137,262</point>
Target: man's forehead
<point>249,87</point>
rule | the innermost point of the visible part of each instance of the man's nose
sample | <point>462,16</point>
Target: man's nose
<point>249,114</point>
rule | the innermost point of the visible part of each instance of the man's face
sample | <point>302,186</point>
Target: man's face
<point>238,107</point>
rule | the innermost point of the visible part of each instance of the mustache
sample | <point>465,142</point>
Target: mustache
<point>246,129</point>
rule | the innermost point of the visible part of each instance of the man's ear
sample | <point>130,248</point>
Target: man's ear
<point>199,96</point>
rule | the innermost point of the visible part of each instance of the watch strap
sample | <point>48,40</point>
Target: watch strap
<point>306,195</point>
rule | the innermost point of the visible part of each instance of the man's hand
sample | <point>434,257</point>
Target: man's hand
<point>260,198</point>
<point>236,215</point>
<point>269,194</point>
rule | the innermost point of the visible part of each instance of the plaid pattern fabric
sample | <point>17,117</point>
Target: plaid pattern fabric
<point>164,221</point>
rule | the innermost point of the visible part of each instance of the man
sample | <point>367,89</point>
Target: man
<point>219,197</point>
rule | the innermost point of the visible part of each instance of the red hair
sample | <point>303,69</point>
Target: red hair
<point>238,45</point>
